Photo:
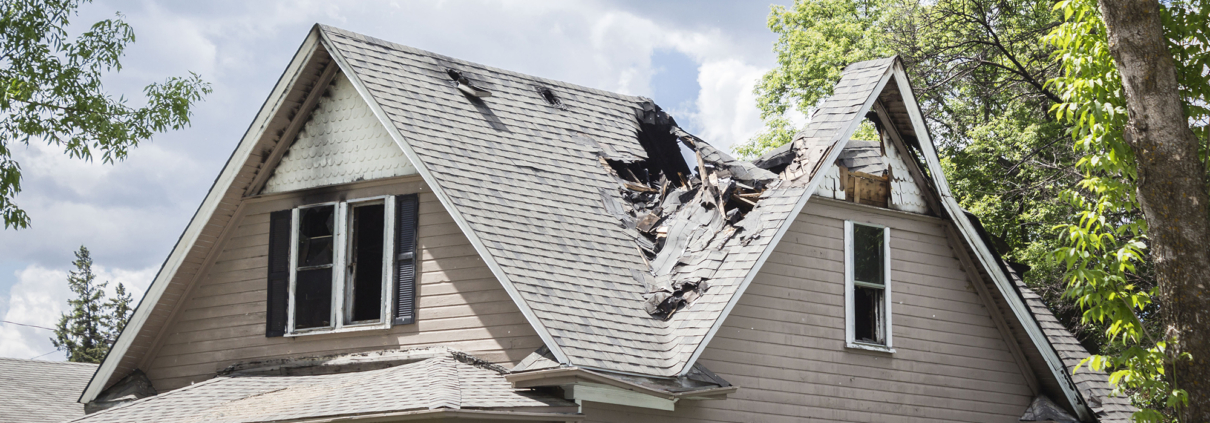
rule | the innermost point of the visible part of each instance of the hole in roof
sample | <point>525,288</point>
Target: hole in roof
<point>550,97</point>
<point>454,74</point>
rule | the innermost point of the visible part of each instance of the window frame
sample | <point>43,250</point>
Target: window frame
<point>850,283</point>
<point>341,250</point>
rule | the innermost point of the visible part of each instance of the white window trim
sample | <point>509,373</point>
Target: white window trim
<point>340,249</point>
<point>849,284</point>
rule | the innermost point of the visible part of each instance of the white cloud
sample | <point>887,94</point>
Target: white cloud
<point>40,296</point>
<point>136,281</point>
<point>726,105</point>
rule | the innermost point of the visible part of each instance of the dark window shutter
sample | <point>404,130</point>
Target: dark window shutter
<point>278,297</point>
<point>406,213</point>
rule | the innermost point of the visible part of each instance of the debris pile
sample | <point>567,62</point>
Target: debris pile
<point>680,220</point>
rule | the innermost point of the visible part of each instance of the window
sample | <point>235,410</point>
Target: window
<point>867,286</point>
<point>334,266</point>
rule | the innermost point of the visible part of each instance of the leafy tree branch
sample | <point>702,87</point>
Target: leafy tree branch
<point>51,91</point>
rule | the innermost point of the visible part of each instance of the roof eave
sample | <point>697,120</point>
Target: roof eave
<point>574,375</point>
<point>503,415</point>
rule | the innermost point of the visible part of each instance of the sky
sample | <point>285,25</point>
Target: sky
<point>698,59</point>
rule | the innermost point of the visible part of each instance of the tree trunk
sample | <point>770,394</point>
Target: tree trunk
<point>1171,188</point>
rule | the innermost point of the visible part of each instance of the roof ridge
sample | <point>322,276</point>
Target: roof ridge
<point>392,44</point>
<point>30,360</point>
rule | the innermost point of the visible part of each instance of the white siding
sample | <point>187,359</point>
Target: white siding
<point>831,187</point>
<point>342,142</point>
<point>905,194</point>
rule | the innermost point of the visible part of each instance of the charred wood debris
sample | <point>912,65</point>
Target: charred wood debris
<point>681,220</point>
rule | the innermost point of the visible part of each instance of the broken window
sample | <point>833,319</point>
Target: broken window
<point>867,286</point>
<point>364,279</point>
<point>313,279</point>
<point>341,274</point>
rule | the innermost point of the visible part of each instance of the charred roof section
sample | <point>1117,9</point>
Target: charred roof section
<point>681,219</point>
<point>550,97</point>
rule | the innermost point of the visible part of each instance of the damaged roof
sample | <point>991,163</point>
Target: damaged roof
<point>526,178</point>
<point>620,254</point>
<point>455,384</point>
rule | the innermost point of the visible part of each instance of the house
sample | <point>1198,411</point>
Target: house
<point>402,235</point>
<point>37,391</point>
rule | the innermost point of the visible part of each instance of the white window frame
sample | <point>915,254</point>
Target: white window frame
<point>850,283</point>
<point>341,249</point>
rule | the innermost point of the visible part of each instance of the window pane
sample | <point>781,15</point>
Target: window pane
<point>313,298</point>
<point>867,315</point>
<point>366,260</point>
<point>315,229</point>
<point>868,254</point>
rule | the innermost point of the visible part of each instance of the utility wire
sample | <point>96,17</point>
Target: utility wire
<point>49,353</point>
<point>32,326</point>
<point>38,327</point>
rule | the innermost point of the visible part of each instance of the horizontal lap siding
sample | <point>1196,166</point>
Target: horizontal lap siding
<point>461,305</point>
<point>783,344</point>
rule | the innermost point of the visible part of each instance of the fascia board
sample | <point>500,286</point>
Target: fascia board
<point>606,394</point>
<point>578,375</point>
<point>837,146</point>
<point>445,200</point>
<point>201,218</point>
<point>445,415</point>
<point>985,257</point>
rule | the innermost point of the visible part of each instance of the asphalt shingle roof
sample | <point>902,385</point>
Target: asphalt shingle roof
<point>527,177</point>
<point>1093,384</point>
<point>448,381</point>
<point>42,391</point>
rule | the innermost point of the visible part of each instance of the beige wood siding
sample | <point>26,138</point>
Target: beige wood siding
<point>783,343</point>
<point>222,321</point>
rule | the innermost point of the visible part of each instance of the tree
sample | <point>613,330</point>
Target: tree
<point>1171,188</point>
<point>51,91</point>
<point>88,331</point>
<point>1115,234</point>
<point>119,310</point>
<point>82,332</point>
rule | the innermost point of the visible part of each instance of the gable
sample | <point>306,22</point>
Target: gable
<point>219,218</point>
<point>341,142</point>
<point>880,88</point>
<point>786,335</point>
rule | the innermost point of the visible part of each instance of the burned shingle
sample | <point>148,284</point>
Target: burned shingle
<point>686,218</point>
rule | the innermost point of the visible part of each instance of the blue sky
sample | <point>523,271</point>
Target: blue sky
<point>697,59</point>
